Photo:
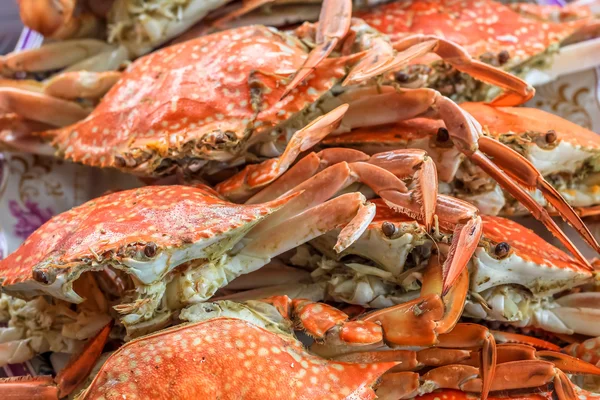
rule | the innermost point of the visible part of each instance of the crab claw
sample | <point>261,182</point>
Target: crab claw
<point>227,358</point>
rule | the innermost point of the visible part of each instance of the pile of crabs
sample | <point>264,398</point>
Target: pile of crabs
<point>338,182</point>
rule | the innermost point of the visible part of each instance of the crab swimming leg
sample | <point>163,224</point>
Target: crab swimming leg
<point>467,135</point>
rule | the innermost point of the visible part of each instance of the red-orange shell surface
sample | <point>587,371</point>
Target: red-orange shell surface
<point>228,359</point>
<point>481,26</point>
<point>167,216</point>
<point>518,120</point>
<point>526,244</point>
<point>230,81</point>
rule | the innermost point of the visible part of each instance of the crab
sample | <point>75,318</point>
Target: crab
<point>528,46</point>
<point>202,139</point>
<point>562,152</point>
<point>140,255</point>
<point>477,25</point>
<point>258,336</point>
<point>383,268</point>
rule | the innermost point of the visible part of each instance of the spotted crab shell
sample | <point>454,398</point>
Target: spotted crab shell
<point>498,121</point>
<point>527,245</point>
<point>146,232</point>
<point>202,98</point>
<point>226,358</point>
<point>481,26</point>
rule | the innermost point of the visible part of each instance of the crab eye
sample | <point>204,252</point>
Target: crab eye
<point>551,136</point>
<point>442,135</point>
<point>503,57</point>
<point>150,249</point>
<point>43,276</point>
<point>502,249</point>
<point>388,229</point>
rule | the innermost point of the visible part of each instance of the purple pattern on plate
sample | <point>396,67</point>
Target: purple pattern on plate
<point>29,218</point>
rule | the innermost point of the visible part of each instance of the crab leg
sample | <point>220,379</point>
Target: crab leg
<point>466,134</point>
<point>40,107</point>
<point>333,26</point>
<point>253,177</point>
<point>380,172</point>
<point>304,169</point>
<point>319,320</point>
<point>69,85</point>
<point>523,172</point>
<point>16,135</point>
<point>311,223</point>
<point>55,55</point>
<point>291,231</point>
<point>519,91</point>
<point>431,320</point>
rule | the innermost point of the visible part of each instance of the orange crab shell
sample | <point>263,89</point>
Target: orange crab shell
<point>225,359</point>
<point>448,394</point>
<point>157,217</point>
<point>481,26</point>
<point>200,93</point>
<point>527,245</point>
<point>518,120</point>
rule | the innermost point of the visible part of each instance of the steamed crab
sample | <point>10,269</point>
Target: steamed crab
<point>561,151</point>
<point>141,255</point>
<point>533,45</point>
<point>384,267</point>
<point>257,338</point>
<point>161,128</point>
